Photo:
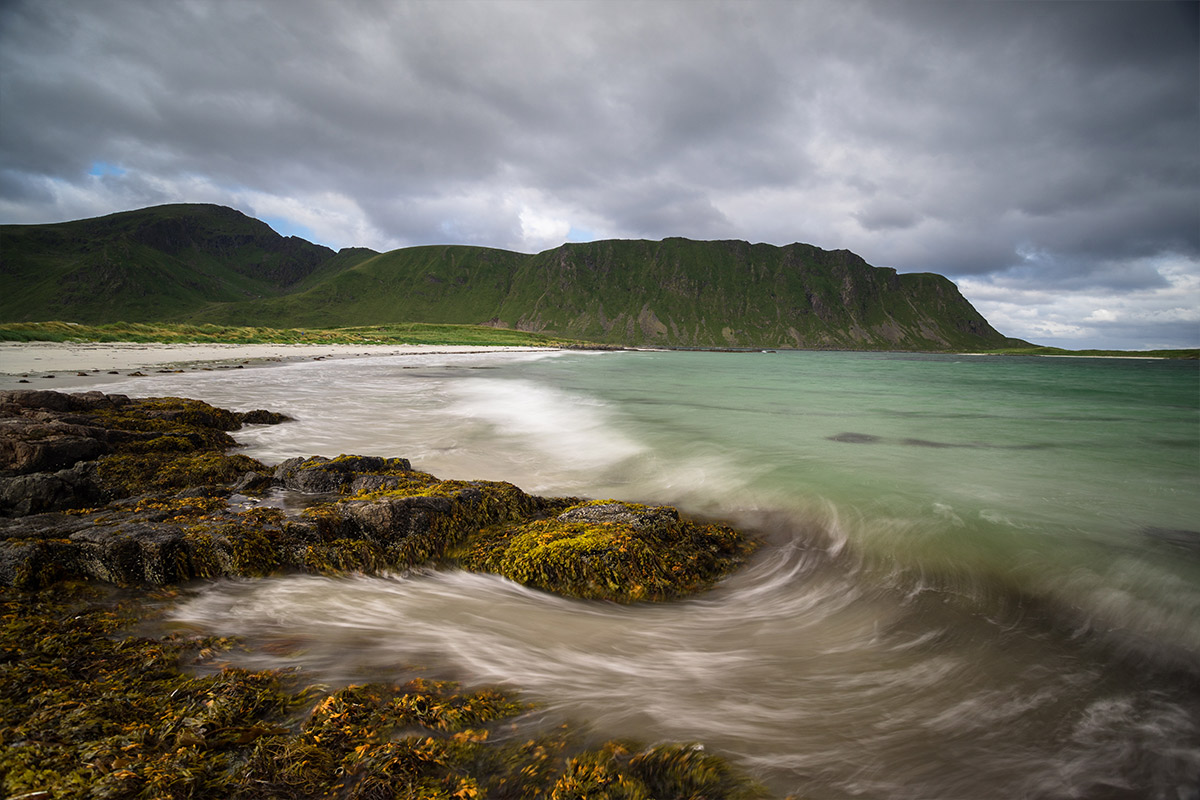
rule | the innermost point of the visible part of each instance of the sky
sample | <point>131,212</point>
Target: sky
<point>1043,154</point>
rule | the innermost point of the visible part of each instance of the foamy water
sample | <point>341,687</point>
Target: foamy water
<point>981,576</point>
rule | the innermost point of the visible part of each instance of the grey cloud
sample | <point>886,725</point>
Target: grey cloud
<point>925,135</point>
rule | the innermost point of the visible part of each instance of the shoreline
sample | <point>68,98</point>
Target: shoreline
<point>62,365</point>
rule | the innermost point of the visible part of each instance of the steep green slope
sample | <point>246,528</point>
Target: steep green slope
<point>207,264</point>
<point>453,284</point>
<point>732,293</point>
<point>675,292</point>
<point>152,264</point>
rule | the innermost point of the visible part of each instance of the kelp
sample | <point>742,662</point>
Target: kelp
<point>90,710</point>
<point>170,443</point>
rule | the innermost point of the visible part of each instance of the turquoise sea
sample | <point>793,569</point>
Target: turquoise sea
<point>981,576</point>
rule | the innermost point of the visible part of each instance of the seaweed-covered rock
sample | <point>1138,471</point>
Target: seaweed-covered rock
<point>417,517</point>
<point>148,481</point>
<point>608,550</point>
<point>60,451</point>
<point>319,475</point>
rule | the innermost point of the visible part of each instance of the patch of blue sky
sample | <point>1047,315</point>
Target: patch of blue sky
<point>102,168</point>
<point>285,227</point>
<point>580,235</point>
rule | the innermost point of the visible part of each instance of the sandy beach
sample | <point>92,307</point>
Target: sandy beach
<point>62,365</point>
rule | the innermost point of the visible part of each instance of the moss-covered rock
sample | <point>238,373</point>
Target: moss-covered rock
<point>165,474</point>
<point>608,550</point>
<point>61,451</point>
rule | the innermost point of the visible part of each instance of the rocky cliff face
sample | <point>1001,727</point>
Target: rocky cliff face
<point>702,294</point>
<point>209,264</point>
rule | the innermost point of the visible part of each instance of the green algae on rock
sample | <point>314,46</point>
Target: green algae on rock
<point>609,550</point>
<point>160,476</point>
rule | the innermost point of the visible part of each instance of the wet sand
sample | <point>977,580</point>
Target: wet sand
<point>63,365</point>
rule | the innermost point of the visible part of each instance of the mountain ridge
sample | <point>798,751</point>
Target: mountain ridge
<point>199,263</point>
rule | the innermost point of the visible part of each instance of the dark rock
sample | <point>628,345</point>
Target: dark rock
<point>37,398</point>
<point>323,475</point>
<point>34,447</point>
<point>253,482</point>
<point>137,552</point>
<point>46,491</point>
<point>622,514</point>
<point>261,416</point>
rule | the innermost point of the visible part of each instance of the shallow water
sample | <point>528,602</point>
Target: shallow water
<point>982,576</point>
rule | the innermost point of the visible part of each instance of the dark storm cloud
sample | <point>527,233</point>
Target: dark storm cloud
<point>1020,146</point>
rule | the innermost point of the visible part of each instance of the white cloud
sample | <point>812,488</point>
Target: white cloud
<point>1166,316</point>
<point>541,231</point>
<point>334,219</point>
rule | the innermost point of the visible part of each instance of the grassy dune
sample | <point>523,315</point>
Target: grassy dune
<point>170,333</point>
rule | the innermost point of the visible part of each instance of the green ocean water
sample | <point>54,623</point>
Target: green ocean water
<point>980,575</point>
<point>1047,475</point>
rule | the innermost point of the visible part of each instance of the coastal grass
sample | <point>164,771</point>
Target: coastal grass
<point>182,333</point>
<point>423,333</point>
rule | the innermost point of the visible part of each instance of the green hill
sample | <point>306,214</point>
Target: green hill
<point>207,264</point>
<point>155,264</point>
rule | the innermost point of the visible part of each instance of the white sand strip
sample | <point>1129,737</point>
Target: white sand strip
<point>59,365</point>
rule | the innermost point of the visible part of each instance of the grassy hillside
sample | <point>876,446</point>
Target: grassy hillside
<point>199,264</point>
<point>154,264</point>
<point>671,293</point>
<point>412,333</point>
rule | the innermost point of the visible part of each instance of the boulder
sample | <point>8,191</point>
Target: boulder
<point>319,475</point>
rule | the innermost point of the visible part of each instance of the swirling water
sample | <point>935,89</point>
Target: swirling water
<point>981,576</point>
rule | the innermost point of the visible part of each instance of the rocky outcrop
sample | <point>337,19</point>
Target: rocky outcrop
<point>142,492</point>
<point>156,500</point>
<point>63,451</point>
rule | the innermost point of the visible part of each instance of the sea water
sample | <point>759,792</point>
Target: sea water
<point>980,577</point>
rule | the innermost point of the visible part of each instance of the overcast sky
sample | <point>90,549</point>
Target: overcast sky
<point>1044,155</point>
